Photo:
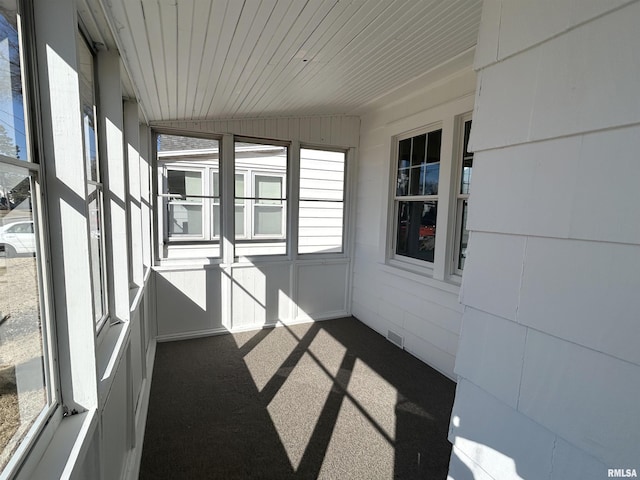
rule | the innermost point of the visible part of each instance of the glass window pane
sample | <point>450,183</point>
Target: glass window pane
<point>418,147</point>
<point>260,171</point>
<point>416,229</point>
<point>95,252</point>
<point>215,219</point>
<point>239,220</point>
<point>12,128</point>
<point>239,186</point>
<point>404,170</point>
<point>87,100</point>
<point>185,183</point>
<point>430,173</point>
<point>23,385</point>
<point>184,147</point>
<point>268,220</point>
<point>321,207</point>
<point>185,219</point>
<point>215,185</point>
<point>419,165</point>
<point>268,188</point>
<point>467,161</point>
<point>464,235</point>
<point>467,133</point>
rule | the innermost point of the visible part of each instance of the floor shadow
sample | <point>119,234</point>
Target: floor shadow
<point>208,419</point>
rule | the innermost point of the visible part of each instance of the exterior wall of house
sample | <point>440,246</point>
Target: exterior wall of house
<point>200,296</point>
<point>420,306</point>
<point>548,360</point>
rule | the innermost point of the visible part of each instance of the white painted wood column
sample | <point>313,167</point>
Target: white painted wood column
<point>227,179</point>
<point>113,168</point>
<point>293,197</point>
<point>132,137</point>
<point>61,122</point>
<point>145,196</point>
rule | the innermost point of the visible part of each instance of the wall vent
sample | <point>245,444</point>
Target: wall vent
<point>393,337</point>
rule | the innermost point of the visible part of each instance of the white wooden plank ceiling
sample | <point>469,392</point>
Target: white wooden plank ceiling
<point>195,59</point>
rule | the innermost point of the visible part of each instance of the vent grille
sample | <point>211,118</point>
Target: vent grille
<point>393,337</point>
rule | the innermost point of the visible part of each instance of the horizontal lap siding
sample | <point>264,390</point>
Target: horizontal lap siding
<point>549,338</point>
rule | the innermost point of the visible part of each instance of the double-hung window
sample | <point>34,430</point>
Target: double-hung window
<point>190,194</point>
<point>465,167</point>
<point>93,180</point>
<point>186,209</point>
<point>430,203</point>
<point>268,205</point>
<point>260,198</point>
<point>416,195</point>
<point>27,391</point>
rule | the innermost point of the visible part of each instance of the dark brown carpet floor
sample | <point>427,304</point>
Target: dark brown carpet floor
<point>329,399</point>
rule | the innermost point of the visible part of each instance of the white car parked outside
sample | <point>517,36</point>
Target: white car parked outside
<point>18,238</point>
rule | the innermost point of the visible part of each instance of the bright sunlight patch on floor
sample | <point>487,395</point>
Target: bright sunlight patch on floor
<point>327,351</point>
<point>266,358</point>
<point>295,426</point>
<point>352,447</point>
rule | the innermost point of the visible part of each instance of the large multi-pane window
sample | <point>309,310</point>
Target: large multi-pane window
<point>27,395</point>
<point>416,195</point>
<point>94,180</point>
<point>321,205</point>
<point>190,192</point>
<point>462,196</point>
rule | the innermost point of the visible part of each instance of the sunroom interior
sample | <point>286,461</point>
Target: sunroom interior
<point>458,176</point>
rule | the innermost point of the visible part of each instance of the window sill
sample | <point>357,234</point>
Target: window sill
<point>109,354</point>
<point>424,276</point>
<point>67,448</point>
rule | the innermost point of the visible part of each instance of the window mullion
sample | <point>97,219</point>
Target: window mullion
<point>227,201</point>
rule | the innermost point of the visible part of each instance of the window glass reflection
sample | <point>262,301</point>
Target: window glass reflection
<point>23,392</point>
<point>416,229</point>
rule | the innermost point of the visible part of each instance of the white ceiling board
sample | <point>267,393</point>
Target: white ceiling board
<point>227,31</point>
<point>252,21</point>
<point>92,17</point>
<point>192,59</point>
<point>272,37</point>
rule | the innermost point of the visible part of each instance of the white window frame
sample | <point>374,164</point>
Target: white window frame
<point>460,198</point>
<point>245,164</point>
<point>393,257</point>
<point>207,228</point>
<point>253,202</point>
<point>99,187</point>
<point>344,201</point>
<point>46,423</point>
<point>236,203</point>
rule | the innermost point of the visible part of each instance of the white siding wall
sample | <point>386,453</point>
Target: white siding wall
<point>423,310</point>
<point>198,300</point>
<point>548,358</point>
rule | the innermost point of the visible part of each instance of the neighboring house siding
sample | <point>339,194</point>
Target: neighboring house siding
<point>548,362</point>
<point>422,310</point>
